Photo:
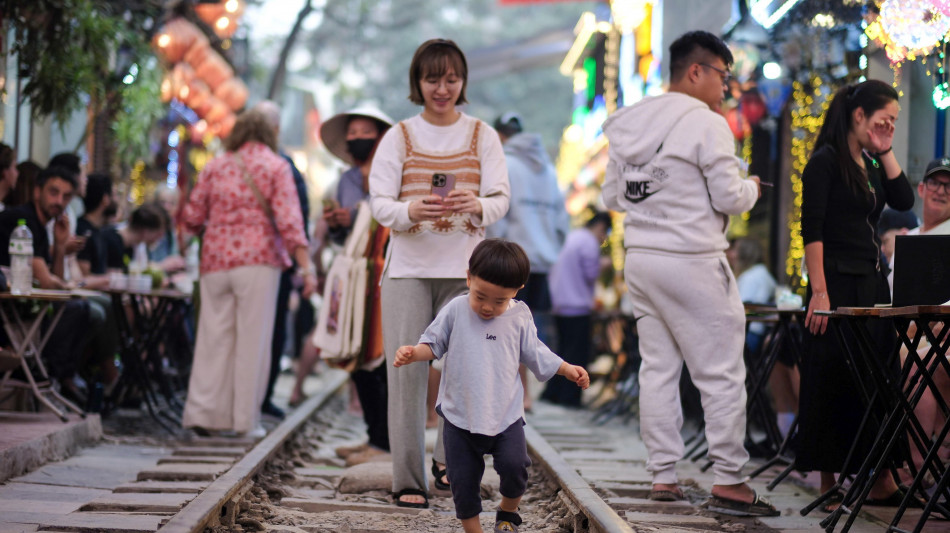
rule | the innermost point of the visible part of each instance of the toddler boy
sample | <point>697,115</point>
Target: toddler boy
<point>486,335</point>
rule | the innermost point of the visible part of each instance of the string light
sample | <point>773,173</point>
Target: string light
<point>807,116</point>
<point>739,224</point>
<point>139,190</point>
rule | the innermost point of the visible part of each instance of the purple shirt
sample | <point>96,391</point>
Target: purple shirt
<point>573,275</point>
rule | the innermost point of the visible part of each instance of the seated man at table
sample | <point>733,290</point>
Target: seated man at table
<point>52,191</point>
<point>934,192</point>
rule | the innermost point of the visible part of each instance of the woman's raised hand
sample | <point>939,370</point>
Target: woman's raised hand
<point>881,134</point>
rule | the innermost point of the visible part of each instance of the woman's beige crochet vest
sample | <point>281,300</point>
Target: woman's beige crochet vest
<point>417,171</point>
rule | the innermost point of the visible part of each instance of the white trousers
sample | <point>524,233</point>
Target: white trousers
<point>233,349</point>
<point>689,310</point>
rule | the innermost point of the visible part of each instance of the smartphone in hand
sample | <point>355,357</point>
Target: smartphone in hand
<point>443,184</point>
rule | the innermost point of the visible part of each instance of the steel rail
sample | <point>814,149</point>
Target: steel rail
<point>196,515</point>
<point>598,513</point>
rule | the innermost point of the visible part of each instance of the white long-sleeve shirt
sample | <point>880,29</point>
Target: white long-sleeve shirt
<point>426,254</point>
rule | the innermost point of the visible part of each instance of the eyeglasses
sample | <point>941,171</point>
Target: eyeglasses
<point>726,77</point>
<point>935,186</point>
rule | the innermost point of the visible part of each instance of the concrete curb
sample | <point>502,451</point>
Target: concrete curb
<point>601,517</point>
<point>56,445</point>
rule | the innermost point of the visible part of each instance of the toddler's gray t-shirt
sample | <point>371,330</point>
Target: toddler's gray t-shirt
<point>481,390</point>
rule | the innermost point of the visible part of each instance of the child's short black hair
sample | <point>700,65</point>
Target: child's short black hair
<point>501,262</point>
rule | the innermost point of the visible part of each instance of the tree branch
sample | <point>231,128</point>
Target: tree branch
<point>277,79</point>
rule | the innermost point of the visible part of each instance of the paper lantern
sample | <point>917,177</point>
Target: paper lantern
<point>198,94</point>
<point>165,90</point>
<point>214,70</point>
<point>198,54</point>
<point>176,37</point>
<point>227,124</point>
<point>217,111</point>
<point>752,106</point>
<point>222,17</point>
<point>738,124</point>
<point>232,92</point>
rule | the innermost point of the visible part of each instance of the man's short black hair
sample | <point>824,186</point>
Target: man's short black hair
<point>501,262</point>
<point>67,160</point>
<point>600,217</point>
<point>98,187</point>
<point>696,47</point>
<point>147,216</point>
<point>55,172</point>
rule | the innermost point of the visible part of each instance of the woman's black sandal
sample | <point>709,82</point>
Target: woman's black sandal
<point>833,502</point>
<point>412,492</point>
<point>439,473</point>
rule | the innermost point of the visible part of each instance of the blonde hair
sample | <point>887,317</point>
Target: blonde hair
<point>251,126</point>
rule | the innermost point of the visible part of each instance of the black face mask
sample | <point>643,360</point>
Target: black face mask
<point>360,148</point>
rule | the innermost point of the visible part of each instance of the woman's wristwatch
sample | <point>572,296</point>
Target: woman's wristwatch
<point>309,271</point>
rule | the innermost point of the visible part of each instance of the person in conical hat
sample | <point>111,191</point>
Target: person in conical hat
<point>352,136</point>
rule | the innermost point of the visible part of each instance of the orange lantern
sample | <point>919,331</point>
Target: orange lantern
<point>198,53</point>
<point>176,37</point>
<point>198,94</point>
<point>214,70</point>
<point>218,110</point>
<point>226,125</point>
<point>165,91</point>
<point>222,17</point>
<point>232,92</point>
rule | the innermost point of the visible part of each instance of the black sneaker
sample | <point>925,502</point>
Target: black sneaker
<point>270,409</point>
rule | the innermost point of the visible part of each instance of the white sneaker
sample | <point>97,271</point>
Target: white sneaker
<point>257,433</point>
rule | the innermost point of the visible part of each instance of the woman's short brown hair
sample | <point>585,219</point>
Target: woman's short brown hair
<point>251,126</point>
<point>434,58</point>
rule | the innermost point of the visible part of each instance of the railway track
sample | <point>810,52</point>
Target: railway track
<point>272,488</point>
<point>585,478</point>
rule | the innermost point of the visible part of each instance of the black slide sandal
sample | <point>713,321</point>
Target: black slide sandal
<point>411,492</point>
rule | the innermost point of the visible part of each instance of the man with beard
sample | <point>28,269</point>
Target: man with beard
<point>52,192</point>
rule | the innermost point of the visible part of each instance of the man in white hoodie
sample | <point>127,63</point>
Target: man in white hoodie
<point>674,172</point>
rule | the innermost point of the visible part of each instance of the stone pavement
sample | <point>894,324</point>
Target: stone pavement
<point>29,440</point>
<point>147,478</point>
<point>612,458</point>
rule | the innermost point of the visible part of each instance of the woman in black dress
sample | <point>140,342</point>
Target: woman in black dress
<point>851,175</point>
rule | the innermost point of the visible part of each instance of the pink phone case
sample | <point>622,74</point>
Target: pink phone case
<point>443,184</point>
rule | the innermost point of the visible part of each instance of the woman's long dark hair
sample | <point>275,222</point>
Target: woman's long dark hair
<point>870,96</point>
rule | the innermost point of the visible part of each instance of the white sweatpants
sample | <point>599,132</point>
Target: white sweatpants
<point>233,349</point>
<point>689,310</point>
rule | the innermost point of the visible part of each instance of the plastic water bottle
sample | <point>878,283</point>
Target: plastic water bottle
<point>21,259</point>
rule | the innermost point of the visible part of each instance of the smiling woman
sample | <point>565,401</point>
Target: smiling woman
<point>432,236</point>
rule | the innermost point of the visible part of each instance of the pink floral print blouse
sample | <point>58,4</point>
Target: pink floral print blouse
<point>237,232</point>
